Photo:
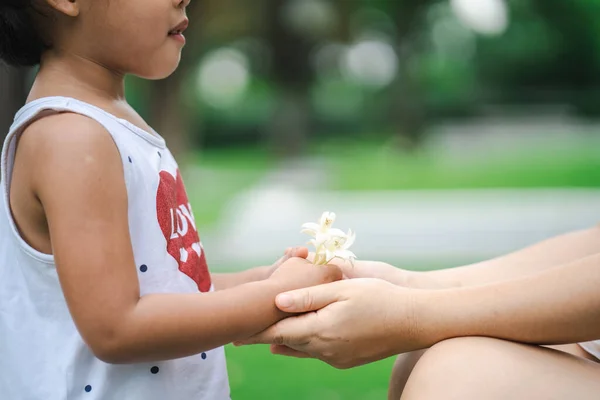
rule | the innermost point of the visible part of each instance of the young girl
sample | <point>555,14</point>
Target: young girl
<point>104,288</point>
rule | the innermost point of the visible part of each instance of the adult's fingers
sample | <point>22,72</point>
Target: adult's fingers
<point>283,350</point>
<point>309,299</point>
<point>290,331</point>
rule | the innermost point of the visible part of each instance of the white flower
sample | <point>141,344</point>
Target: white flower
<point>329,242</point>
<point>337,247</point>
<point>323,226</point>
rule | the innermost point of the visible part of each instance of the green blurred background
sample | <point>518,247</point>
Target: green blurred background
<point>442,131</point>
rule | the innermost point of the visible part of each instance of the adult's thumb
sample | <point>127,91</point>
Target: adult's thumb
<point>308,299</point>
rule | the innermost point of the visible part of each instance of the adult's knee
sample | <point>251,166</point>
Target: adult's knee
<point>403,367</point>
<point>450,367</point>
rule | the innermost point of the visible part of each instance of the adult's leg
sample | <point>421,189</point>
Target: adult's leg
<point>484,368</point>
<point>405,364</point>
<point>403,367</point>
<point>546,254</point>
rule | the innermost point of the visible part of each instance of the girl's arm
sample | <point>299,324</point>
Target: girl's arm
<point>75,171</point>
<point>223,281</point>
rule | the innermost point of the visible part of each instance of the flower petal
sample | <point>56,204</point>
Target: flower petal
<point>311,225</point>
<point>350,238</point>
<point>345,254</point>
<point>329,255</point>
<point>322,238</point>
<point>326,220</point>
<point>336,232</point>
<point>327,216</point>
<point>310,229</point>
<point>332,244</point>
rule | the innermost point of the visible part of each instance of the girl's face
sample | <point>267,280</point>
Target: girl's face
<point>141,37</point>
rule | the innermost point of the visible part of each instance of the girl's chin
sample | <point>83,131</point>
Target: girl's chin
<point>162,71</point>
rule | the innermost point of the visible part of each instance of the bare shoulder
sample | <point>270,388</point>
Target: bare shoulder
<point>65,132</point>
<point>68,146</point>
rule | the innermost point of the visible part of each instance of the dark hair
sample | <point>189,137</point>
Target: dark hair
<point>20,42</point>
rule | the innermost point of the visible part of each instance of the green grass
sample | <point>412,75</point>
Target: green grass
<point>372,166</point>
<point>255,373</point>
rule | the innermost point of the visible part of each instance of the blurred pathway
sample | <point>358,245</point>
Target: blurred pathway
<point>403,226</point>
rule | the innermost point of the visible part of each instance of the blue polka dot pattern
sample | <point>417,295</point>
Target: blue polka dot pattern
<point>154,370</point>
<point>160,155</point>
<point>144,268</point>
<point>203,355</point>
<point>130,160</point>
<point>88,388</point>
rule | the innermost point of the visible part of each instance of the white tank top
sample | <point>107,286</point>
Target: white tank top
<point>592,347</point>
<point>42,355</point>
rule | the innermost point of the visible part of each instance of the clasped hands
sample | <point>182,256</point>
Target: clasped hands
<point>360,319</point>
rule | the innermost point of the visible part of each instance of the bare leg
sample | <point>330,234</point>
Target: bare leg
<point>405,363</point>
<point>484,368</point>
<point>403,367</point>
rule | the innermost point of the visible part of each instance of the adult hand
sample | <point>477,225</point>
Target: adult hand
<point>353,322</point>
<point>371,269</point>
<point>389,273</point>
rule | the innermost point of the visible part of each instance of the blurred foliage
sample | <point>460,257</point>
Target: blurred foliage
<point>279,71</point>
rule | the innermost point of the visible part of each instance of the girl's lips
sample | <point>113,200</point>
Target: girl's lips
<point>177,32</point>
<point>182,26</point>
<point>178,36</point>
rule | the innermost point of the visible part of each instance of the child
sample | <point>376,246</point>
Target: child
<point>104,288</point>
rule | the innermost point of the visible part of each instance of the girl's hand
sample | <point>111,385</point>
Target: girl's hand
<point>290,252</point>
<point>356,322</point>
<point>224,281</point>
<point>296,273</point>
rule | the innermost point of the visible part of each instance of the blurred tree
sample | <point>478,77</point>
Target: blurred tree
<point>292,76</point>
<point>550,53</point>
<point>575,67</point>
<point>408,109</point>
<point>13,93</point>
